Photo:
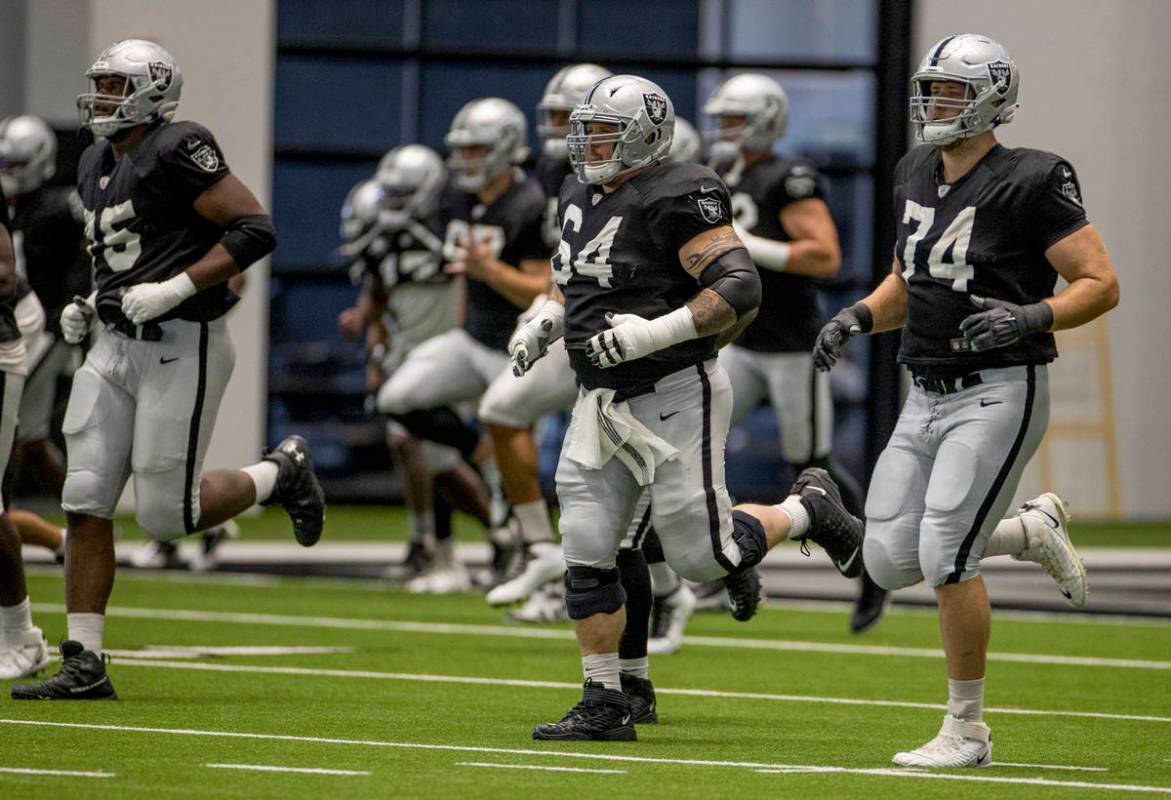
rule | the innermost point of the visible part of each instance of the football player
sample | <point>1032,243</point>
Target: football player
<point>168,225</point>
<point>984,231</point>
<point>779,212</point>
<point>492,216</point>
<point>23,649</point>
<point>47,229</point>
<point>650,275</point>
<point>393,237</point>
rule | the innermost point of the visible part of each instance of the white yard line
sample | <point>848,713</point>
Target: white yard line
<point>154,651</point>
<point>543,769</point>
<point>65,773</point>
<point>527,684</point>
<point>614,758</point>
<point>405,626</point>
<point>302,770</point>
<point>1048,766</point>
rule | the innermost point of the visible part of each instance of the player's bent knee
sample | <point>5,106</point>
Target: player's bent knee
<point>590,591</point>
<point>81,494</point>
<point>161,522</point>
<point>884,569</point>
<point>392,399</point>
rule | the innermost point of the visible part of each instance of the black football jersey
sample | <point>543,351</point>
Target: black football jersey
<point>619,253</point>
<point>9,332</point>
<point>551,173</point>
<point>140,220</point>
<point>789,318</point>
<point>47,230</point>
<point>513,223</point>
<point>986,234</point>
<point>411,255</point>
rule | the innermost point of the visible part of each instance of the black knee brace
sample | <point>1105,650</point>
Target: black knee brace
<point>589,591</point>
<point>748,534</point>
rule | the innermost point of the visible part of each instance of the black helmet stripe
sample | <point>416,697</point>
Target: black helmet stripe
<point>939,51</point>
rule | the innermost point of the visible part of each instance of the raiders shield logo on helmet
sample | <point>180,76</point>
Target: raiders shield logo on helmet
<point>656,107</point>
<point>161,73</point>
<point>1001,73</point>
<point>711,208</point>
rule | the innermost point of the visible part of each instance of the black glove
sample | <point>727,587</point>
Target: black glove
<point>1002,323</point>
<point>847,323</point>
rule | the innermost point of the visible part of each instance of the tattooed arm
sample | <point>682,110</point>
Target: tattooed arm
<point>731,293</point>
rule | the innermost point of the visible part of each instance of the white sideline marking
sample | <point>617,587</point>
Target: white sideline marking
<point>526,684</point>
<point>561,634</point>
<point>693,762</point>
<point>1048,766</point>
<point>545,769</point>
<point>200,651</point>
<point>305,770</point>
<point>62,772</point>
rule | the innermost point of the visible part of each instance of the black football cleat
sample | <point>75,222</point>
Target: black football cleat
<point>603,715</point>
<point>297,489</point>
<point>641,694</point>
<point>744,593</point>
<point>82,677</point>
<point>830,525</point>
<point>872,603</point>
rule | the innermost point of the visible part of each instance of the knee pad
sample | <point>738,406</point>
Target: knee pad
<point>885,570</point>
<point>748,534</point>
<point>161,522</point>
<point>589,591</point>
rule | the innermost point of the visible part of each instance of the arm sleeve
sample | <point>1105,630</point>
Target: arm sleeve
<point>677,217</point>
<point>1056,206</point>
<point>193,163</point>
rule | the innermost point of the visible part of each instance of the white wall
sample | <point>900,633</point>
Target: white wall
<point>226,51</point>
<point>1093,89</point>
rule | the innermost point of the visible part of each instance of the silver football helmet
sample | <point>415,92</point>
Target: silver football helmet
<point>992,80</point>
<point>360,213</point>
<point>28,154</point>
<point>412,177</point>
<point>685,142</point>
<point>762,103</point>
<point>563,92</point>
<point>492,122</point>
<point>151,93</point>
<point>644,122</point>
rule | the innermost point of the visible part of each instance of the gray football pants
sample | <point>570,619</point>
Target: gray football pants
<point>147,409</point>
<point>948,475</point>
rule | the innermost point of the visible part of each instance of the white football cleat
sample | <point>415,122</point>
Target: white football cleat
<point>958,744</point>
<point>157,555</point>
<point>23,654</point>
<point>547,563</point>
<point>547,604</point>
<point>1046,523</point>
<point>670,616</point>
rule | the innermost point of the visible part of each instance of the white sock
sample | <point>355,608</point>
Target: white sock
<point>664,580</point>
<point>87,629</point>
<point>15,619</point>
<point>798,516</point>
<point>263,477</point>
<point>534,521</point>
<point>498,505</point>
<point>1009,538</point>
<point>638,667</point>
<point>422,525</point>
<point>602,668</point>
<point>966,699</point>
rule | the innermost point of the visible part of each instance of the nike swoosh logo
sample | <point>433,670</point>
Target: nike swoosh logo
<point>1066,595</point>
<point>625,720</point>
<point>845,565</point>
<point>986,403</point>
<point>1051,518</point>
<point>168,360</point>
<point>664,417</point>
<point>80,689</point>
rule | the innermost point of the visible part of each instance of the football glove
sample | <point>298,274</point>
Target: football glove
<point>531,340</point>
<point>846,324</point>
<point>631,337</point>
<point>146,301</point>
<point>1001,323</point>
<point>78,318</point>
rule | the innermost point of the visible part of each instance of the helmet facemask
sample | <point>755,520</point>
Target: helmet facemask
<point>552,128</point>
<point>624,137</point>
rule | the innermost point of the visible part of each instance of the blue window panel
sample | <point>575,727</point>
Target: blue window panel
<point>517,25</point>
<point>308,312</point>
<point>653,27</point>
<point>307,199</point>
<point>851,202</point>
<point>829,30</point>
<point>344,104</point>
<point>444,88</point>
<point>354,22</point>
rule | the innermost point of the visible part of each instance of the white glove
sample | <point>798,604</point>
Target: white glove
<point>146,301</point>
<point>631,337</point>
<point>77,319</point>
<point>531,340</point>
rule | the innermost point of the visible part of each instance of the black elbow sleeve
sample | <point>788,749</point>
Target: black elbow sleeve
<point>249,239</point>
<point>733,277</point>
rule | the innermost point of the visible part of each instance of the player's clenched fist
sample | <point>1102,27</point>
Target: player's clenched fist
<point>532,339</point>
<point>147,301</point>
<point>77,318</point>
<point>631,337</point>
<point>846,324</point>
